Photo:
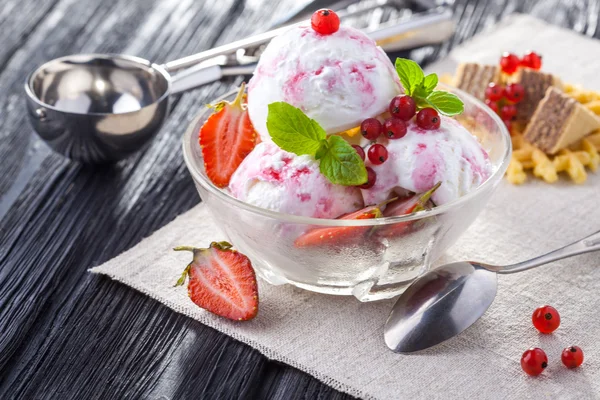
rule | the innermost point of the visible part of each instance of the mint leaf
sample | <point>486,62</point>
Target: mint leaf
<point>429,83</point>
<point>341,164</point>
<point>421,103</point>
<point>410,73</point>
<point>322,150</point>
<point>293,131</point>
<point>445,103</point>
<point>426,87</point>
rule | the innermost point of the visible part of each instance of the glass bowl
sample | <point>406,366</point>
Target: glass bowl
<point>374,267</point>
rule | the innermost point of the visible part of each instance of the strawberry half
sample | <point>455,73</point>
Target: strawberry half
<point>339,234</point>
<point>226,138</point>
<point>222,281</point>
<point>413,204</point>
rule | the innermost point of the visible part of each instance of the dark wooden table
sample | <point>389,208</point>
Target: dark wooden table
<point>65,333</point>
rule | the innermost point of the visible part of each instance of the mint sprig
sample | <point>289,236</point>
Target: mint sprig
<point>293,131</point>
<point>422,89</point>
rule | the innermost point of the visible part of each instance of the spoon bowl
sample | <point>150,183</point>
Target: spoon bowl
<point>440,305</point>
<point>97,108</point>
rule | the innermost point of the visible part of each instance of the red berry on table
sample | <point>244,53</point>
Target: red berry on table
<point>572,357</point>
<point>509,63</point>
<point>514,92</point>
<point>545,319</point>
<point>371,128</point>
<point>534,361</point>
<point>325,21</point>
<point>371,179</point>
<point>222,281</point>
<point>428,119</point>
<point>508,111</point>
<point>394,128</point>
<point>378,154</point>
<point>492,104</point>
<point>360,151</point>
<point>532,60</point>
<point>494,92</point>
<point>403,107</point>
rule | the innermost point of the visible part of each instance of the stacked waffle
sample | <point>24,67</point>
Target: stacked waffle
<point>556,128</point>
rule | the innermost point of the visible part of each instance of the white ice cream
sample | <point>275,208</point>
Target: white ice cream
<point>338,79</point>
<point>450,154</point>
<point>280,181</point>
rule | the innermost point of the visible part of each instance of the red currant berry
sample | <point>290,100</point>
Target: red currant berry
<point>428,119</point>
<point>509,63</point>
<point>370,128</point>
<point>508,111</point>
<point>545,319</point>
<point>403,107</point>
<point>532,60</point>
<point>494,92</point>
<point>514,92</point>
<point>325,21</point>
<point>377,154</point>
<point>572,357</point>
<point>508,124</point>
<point>360,151</point>
<point>534,361</point>
<point>371,179</point>
<point>394,128</point>
<point>492,104</point>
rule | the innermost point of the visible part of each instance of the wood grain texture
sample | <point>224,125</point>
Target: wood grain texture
<point>65,333</point>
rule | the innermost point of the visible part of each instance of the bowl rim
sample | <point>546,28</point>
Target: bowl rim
<point>492,180</point>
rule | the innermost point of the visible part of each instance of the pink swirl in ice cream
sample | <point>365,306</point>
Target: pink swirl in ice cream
<point>337,80</point>
<point>449,154</point>
<point>280,181</point>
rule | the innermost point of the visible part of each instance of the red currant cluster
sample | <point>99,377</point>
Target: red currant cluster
<point>510,62</point>
<point>402,108</point>
<point>503,100</point>
<point>546,319</point>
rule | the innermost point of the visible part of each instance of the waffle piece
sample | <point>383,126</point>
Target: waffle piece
<point>474,78</point>
<point>559,121</point>
<point>536,84</point>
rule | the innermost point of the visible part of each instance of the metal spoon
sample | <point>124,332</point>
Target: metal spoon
<point>446,301</point>
<point>100,108</point>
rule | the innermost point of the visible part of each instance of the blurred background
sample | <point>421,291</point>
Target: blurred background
<point>66,331</point>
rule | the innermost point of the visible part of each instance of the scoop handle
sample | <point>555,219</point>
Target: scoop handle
<point>585,245</point>
<point>421,29</point>
<point>200,75</point>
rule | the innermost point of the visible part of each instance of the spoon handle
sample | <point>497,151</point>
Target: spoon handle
<point>585,245</point>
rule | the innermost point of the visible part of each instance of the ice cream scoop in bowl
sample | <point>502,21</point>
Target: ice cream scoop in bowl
<point>386,254</point>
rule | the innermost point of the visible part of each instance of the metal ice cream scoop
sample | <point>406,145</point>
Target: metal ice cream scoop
<point>100,108</point>
<point>444,302</point>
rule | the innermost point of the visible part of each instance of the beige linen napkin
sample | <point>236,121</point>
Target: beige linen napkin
<point>339,340</point>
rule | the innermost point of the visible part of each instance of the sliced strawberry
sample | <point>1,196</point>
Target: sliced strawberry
<point>339,234</point>
<point>413,204</point>
<point>222,281</point>
<point>226,138</point>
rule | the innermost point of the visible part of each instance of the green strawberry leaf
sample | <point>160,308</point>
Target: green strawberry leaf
<point>341,164</point>
<point>410,73</point>
<point>293,131</point>
<point>445,103</point>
